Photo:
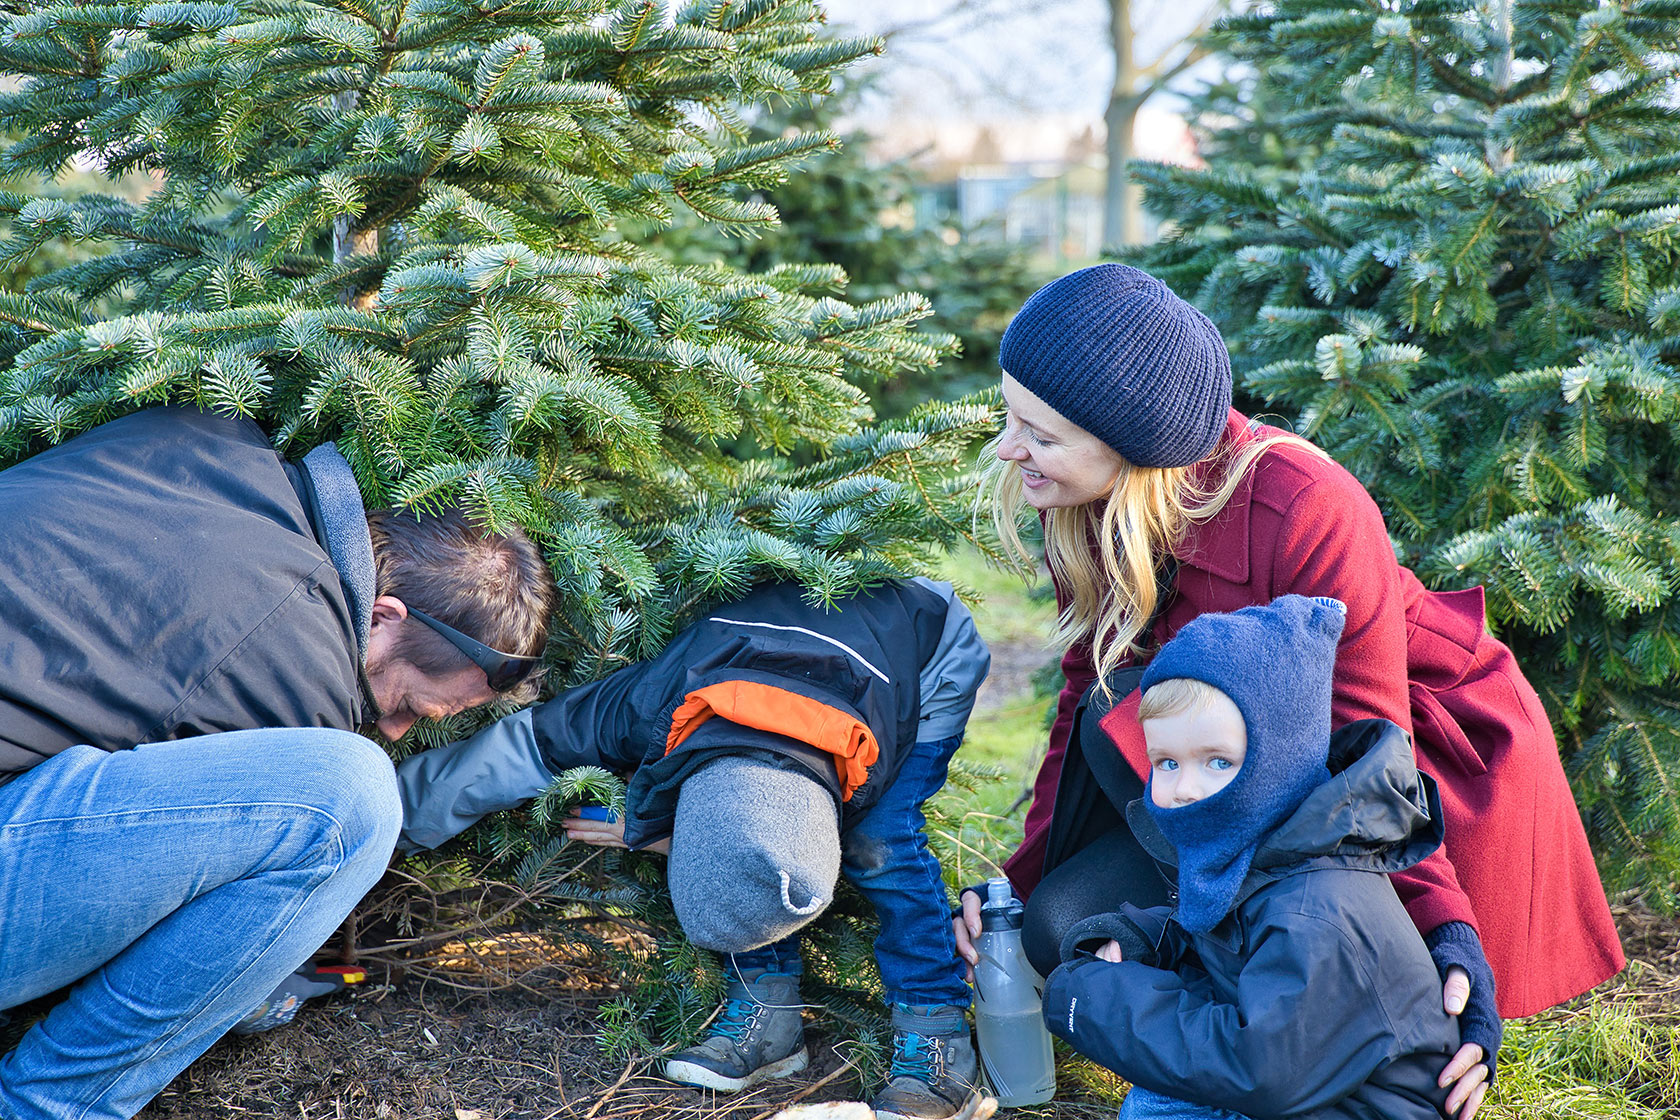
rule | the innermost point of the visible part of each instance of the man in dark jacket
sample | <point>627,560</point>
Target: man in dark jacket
<point>772,745</point>
<point>191,632</point>
<point>1288,980</point>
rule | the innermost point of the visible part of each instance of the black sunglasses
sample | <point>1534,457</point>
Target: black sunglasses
<point>503,670</point>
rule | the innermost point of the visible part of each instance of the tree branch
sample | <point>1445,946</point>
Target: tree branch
<point>1155,78</point>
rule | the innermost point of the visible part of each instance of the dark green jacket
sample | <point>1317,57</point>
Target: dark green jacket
<point>161,578</point>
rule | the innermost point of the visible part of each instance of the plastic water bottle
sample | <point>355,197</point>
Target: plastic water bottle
<point>1009,1006</point>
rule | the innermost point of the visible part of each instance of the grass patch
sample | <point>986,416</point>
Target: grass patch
<point>1006,608</point>
<point>1600,1059</point>
<point>976,820</point>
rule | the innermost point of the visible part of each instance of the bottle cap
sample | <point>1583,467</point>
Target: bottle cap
<point>1001,910</point>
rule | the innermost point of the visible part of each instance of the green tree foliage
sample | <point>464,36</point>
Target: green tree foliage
<point>1469,292</point>
<point>401,225</point>
<point>57,254</point>
<point>1235,119</point>
<point>397,225</point>
<point>864,216</point>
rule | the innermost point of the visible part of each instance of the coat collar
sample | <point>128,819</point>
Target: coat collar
<point>1219,546</point>
<point>341,523</point>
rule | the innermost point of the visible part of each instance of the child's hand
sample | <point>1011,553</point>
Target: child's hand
<point>592,830</point>
<point>605,834</point>
<point>1110,953</point>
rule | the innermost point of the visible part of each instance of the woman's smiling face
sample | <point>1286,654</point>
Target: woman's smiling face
<point>1061,464</point>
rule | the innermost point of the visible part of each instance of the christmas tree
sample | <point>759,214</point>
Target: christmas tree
<point>397,226</point>
<point>1461,276</point>
<point>867,216</point>
<point>407,226</point>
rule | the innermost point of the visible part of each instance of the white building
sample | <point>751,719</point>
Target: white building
<point>1034,181</point>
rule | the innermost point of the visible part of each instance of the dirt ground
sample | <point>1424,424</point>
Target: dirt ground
<point>425,1051</point>
<point>429,1055</point>
<point>422,1052</point>
<point>405,1048</point>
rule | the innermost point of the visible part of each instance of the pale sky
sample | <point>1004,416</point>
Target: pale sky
<point>990,58</point>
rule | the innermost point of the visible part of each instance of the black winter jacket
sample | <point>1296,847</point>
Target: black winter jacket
<point>160,578</point>
<point>1315,996</point>
<point>865,662</point>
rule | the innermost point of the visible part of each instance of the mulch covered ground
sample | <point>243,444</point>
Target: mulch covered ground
<point>422,1051</point>
<point>428,1050</point>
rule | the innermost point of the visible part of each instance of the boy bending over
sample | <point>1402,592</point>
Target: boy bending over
<point>772,745</point>
<point>1288,979</point>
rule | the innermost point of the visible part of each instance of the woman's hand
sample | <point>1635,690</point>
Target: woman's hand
<point>607,834</point>
<point>967,927</point>
<point>1467,1073</point>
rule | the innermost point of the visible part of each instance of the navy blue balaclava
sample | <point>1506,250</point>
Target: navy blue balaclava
<point>1275,663</point>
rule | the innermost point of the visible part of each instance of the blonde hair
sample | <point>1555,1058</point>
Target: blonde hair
<point>1108,554</point>
<point>1175,696</point>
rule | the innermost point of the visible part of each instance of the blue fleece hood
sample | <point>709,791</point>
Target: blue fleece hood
<point>1276,663</point>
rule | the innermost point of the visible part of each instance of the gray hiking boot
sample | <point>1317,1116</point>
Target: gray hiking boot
<point>935,1073</point>
<point>757,1036</point>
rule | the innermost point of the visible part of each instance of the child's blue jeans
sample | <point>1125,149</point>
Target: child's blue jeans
<point>1143,1104</point>
<point>885,854</point>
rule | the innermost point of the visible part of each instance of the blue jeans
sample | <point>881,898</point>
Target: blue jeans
<point>885,854</point>
<point>175,885</point>
<point>1145,1104</point>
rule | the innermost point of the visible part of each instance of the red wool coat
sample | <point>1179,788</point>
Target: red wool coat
<point>1515,864</point>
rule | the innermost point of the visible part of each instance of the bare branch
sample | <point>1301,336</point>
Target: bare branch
<point>957,16</point>
<point>1156,79</point>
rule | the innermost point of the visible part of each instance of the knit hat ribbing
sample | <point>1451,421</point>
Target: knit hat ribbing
<point>1112,349</point>
<point>755,853</point>
<point>1276,663</point>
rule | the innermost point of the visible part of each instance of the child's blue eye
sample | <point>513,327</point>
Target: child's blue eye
<point>1167,764</point>
<point>1220,764</point>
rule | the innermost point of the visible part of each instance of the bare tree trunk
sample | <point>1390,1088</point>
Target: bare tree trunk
<point>1134,85</point>
<point>348,241</point>
<point>1500,156</point>
<point>1122,217</point>
<point>1122,199</point>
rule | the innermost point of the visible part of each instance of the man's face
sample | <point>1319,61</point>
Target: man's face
<point>401,691</point>
<point>1195,754</point>
<point>404,694</point>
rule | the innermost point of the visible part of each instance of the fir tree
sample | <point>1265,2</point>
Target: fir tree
<point>397,225</point>
<point>1469,293</point>
<point>848,209</point>
<point>401,225</point>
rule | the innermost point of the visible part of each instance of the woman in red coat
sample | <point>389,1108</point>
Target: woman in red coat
<point>1160,502</point>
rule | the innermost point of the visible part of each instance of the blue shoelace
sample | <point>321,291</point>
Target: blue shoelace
<point>736,1015</point>
<point>913,1059</point>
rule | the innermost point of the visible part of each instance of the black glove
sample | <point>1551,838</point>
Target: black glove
<point>1456,943</point>
<point>1136,942</point>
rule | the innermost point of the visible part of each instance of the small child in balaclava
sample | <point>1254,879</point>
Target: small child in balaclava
<point>1288,978</point>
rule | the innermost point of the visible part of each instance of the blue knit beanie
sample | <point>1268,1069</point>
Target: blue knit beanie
<point>1275,663</point>
<point>1112,349</point>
